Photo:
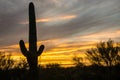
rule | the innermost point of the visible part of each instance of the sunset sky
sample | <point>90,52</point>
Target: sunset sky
<point>66,27</point>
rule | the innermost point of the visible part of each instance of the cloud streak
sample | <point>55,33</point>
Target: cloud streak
<point>54,19</point>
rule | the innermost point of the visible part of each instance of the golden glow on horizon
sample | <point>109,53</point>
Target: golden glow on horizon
<point>59,18</point>
<point>62,50</point>
<point>62,53</point>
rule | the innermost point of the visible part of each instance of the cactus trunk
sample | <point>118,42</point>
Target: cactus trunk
<point>32,60</point>
<point>32,29</point>
<point>32,54</point>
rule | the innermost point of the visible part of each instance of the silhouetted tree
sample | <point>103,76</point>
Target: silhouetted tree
<point>105,54</point>
<point>78,61</point>
<point>32,54</point>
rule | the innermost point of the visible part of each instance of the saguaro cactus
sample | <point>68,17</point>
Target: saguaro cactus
<point>31,54</point>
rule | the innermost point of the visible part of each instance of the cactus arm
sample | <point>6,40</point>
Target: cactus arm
<point>40,50</point>
<point>23,48</point>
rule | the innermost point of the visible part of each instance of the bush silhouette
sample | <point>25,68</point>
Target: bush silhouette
<point>105,54</point>
<point>21,64</point>
<point>6,62</point>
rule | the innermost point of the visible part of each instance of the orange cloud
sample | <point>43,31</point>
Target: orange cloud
<point>58,18</point>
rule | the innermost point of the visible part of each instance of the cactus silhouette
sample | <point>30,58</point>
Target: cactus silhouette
<point>31,54</point>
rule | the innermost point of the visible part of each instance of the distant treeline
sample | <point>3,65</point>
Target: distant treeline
<point>55,72</point>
